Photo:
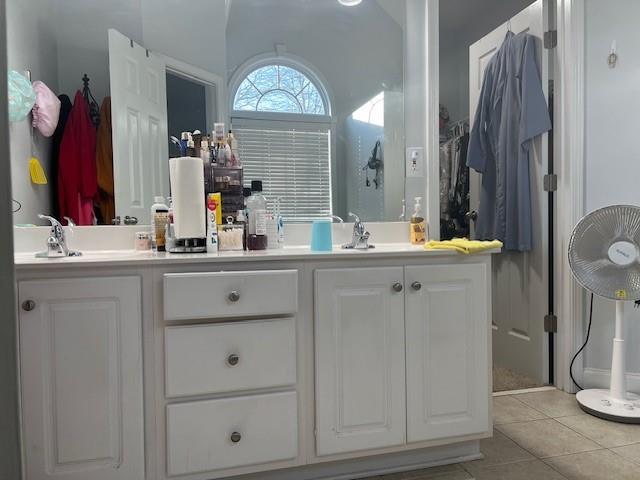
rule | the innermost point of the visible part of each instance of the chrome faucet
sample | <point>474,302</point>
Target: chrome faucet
<point>360,237</point>
<point>56,243</point>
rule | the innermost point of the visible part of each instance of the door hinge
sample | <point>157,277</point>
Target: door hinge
<point>550,182</point>
<point>550,323</point>
<point>550,39</point>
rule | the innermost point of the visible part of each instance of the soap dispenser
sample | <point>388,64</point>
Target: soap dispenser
<point>418,226</point>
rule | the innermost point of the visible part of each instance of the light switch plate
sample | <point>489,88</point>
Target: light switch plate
<point>415,162</point>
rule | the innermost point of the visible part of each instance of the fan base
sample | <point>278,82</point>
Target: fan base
<point>600,403</point>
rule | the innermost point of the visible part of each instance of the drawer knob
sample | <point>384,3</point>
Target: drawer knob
<point>416,286</point>
<point>236,437</point>
<point>234,296</point>
<point>233,359</point>
<point>28,305</point>
<point>397,287</point>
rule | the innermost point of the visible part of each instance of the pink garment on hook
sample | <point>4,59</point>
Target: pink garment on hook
<point>46,110</point>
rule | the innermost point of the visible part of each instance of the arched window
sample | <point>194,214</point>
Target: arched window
<point>281,117</point>
<point>279,89</point>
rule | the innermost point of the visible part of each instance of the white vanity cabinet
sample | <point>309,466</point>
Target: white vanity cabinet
<point>308,366</point>
<point>402,355</point>
<point>448,333</point>
<point>360,345</point>
<point>81,378</point>
<point>230,392</point>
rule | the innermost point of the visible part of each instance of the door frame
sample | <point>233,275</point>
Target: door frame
<point>568,107</point>
<point>10,435</point>
<point>569,112</point>
<point>203,77</point>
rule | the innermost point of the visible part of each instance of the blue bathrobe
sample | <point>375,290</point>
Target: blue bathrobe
<point>511,112</point>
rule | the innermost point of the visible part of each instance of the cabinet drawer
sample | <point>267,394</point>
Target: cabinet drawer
<point>230,294</point>
<point>204,359</point>
<point>231,432</point>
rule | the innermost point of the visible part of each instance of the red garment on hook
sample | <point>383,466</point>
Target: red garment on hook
<point>77,178</point>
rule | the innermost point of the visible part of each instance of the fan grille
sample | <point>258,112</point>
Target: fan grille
<point>589,246</point>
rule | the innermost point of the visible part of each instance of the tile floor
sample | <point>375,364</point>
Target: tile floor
<point>545,436</point>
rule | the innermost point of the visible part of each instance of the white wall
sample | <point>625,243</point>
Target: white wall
<point>415,110</point>
<point>193,34</point>
<point>198,40</point>
<point>60,40</point>
<point>612,158</point>
<point>357,50</point>
<point>32,47</point>
<point>81,29</point>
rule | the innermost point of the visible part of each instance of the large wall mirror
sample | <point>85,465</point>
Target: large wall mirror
<point>313,90</point>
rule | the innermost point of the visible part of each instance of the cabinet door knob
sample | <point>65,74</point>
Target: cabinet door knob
<point>234,296</point>
<point>233,359</point>
<point>397,287</point>
<point>28,305</point>
<point>416,286</point>
<point>236,437</point>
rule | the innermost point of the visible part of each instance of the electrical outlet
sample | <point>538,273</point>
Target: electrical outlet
<point>415,162</point>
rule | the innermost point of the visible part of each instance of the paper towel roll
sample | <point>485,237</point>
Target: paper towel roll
<point>186,175</point>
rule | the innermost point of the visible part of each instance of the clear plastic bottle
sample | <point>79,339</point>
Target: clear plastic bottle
<point>257,209</point>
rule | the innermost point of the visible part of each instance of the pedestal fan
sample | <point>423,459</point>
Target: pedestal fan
<point>604,255</point>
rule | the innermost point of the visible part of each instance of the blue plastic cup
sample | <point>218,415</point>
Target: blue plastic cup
<point>321,236</point>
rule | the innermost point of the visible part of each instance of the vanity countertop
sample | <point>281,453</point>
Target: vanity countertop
<point>115,258</point>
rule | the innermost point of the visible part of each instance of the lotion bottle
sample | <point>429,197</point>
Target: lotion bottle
<point>417,227</point>
<point>159,218</point>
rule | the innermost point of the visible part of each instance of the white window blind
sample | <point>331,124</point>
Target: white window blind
<point>292,164</point>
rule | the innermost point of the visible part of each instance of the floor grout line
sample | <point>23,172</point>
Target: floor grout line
<point>554,456</point>
<point>528,406</point>
<point>469,469</point>
<point>553,468</point>
<point>579,433</point>
<point>624,458</point>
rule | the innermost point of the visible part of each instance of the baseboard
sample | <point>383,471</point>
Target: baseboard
<point>599,378</point>
<point>367,467</point>
<point>524,390</point>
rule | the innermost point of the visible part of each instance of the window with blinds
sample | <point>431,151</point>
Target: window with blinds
<point>294,165</point>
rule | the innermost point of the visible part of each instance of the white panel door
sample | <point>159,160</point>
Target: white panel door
<point>81,379</point>
<point>519,279</point>
<point>139,122</point>
<point>448,368</point>
<point>360,377</point>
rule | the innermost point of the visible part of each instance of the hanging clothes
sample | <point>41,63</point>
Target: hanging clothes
<point>454,183</point>
<point>65,110</point>
<point>511,112</point>
<point>77,182</point>
<point>104,164</point>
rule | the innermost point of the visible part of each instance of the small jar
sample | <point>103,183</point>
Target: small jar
<point>143,241</point>
<point>230,236</point>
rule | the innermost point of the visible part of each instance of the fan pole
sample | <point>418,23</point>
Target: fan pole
<point>618,367</point>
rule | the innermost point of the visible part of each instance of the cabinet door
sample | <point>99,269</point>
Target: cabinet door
<point>81,369</point>
<point>448,374</point>
<point>360,381</point>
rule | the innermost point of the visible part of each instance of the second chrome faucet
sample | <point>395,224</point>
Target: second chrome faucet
<point>359,237</point>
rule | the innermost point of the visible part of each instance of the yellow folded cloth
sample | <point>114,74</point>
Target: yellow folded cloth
<point>463,245</point>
